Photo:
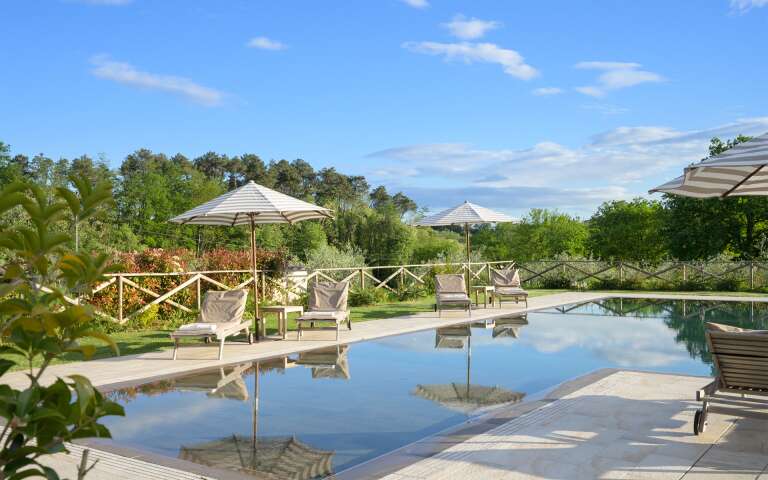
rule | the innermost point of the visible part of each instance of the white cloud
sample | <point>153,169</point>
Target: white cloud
<point>544,91</point>
<point>416,3</point>
<point>469,28</point>
<point>265,43</point>
<point>512,62</point>
<point>615,76</point>
<point>744,5</point>
<point>617,164</point>
<point>127,74</point>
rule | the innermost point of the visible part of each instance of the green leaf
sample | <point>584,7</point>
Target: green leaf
<point>104,338</point>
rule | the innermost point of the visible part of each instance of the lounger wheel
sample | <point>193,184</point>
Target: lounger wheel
<point>250,338</point>
<point>207,339</point>
<point>700,421</point>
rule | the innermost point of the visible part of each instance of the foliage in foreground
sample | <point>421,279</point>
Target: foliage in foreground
<point>38,325</point>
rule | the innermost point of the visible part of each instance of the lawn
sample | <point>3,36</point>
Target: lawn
<point>132,343</point>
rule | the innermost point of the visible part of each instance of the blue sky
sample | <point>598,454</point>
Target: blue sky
<point>513,105</point>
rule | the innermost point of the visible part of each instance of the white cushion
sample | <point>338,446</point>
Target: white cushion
<point>338,315</point>
<point>510,291</point>
<point>453,297</point>
<point>198,327</point>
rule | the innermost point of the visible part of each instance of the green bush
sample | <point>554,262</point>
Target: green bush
<point>558,282</point>
<point>691,285</point>
<point>367,296</point>
<point>729,284</point>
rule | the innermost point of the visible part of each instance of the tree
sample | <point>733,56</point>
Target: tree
<point>630,231</point>
<point>541,235</point>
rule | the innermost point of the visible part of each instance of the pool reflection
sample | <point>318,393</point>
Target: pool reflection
<point>333,408</point>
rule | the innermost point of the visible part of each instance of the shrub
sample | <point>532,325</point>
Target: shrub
<point>729,284</point>
<point>558,282</point>
<point>328,256</point>
<point>37,327</point>
<point>691,285</point>
<point>367,296</point>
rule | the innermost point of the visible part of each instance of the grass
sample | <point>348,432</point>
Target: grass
<point>136,342</point>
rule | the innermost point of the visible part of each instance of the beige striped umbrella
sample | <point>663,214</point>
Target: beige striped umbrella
<point>739,171</point>
<point>252,204</point>
<point>465,214</point>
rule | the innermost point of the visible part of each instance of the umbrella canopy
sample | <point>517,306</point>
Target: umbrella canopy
<point>464,214</point>
<point>252,204</point>
<point>273,458</point>
<point>735,172</point>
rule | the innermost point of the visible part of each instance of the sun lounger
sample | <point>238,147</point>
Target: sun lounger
<point>221,316</point>
<point>741,360</point>
<point>327,304</point>
<point>451,291</point>
<point>506,284</point>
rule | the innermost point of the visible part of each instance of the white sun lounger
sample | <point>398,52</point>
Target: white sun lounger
<point>221,316</point>
<point>327,304</point>
<point>506,284</point>
<point>451,291</point>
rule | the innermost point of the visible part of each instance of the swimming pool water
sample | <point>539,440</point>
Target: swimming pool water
<point>309,414</point>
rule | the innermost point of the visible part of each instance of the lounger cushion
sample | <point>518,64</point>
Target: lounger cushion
<point>511,291</point>
<point>197,329</point>
<point>505,278</point>
<point>719,327</point>
<point>452,297</point>
<point>223,306</point>
<point>452,283</point>
<point>337,315</point>
<point>328,296</point>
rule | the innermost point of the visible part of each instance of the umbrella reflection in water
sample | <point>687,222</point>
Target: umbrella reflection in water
<point>466,398</point>
<point>269,458</point>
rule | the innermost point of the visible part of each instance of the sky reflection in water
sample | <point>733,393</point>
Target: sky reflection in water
<point>369,398</point>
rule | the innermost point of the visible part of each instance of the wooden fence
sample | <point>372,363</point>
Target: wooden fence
<point>126,295</point>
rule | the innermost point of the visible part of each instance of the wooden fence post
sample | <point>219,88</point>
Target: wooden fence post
<point>198,293</point>
<point>685,272</point>
<point>621,272</point>
<point>362,279</point>
<point>120,299</point>
<point>402,279</point>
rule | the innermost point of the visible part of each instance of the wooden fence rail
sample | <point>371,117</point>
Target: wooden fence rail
<point>125,296</point>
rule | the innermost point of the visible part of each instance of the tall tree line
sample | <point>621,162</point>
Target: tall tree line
<point>150,188</point>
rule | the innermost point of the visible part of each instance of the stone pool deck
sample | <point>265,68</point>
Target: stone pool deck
<point>621,425</point>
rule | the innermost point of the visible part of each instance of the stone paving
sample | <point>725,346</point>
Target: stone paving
<point>623,426</point>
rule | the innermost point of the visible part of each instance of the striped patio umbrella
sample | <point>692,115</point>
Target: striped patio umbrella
<point>738,171</point>
<point>252,204</point>
<point>465,214</point>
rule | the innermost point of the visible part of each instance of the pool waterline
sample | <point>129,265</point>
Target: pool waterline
<point>378,381</point>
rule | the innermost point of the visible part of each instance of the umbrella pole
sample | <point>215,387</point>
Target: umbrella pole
<point>469,361</point>
<point>255,425</point>
<point>255,287</point>
<point>466,238</point>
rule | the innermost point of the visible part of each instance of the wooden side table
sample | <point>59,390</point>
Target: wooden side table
<point>487,290</point>
<point>282,312</point>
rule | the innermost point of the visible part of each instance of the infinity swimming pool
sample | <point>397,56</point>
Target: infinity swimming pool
<point>310,414</point>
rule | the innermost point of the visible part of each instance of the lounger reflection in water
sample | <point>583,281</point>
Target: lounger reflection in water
<point>331,362</point>
<point>509,326</point>
<point>452,337</point>
<point>224,382</point>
